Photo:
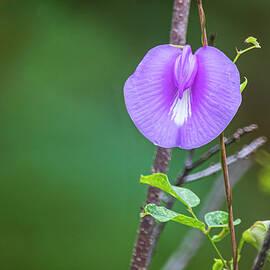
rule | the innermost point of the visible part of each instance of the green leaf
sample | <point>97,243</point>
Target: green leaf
<point>223,233</point>
<point>256,233</point>
<point>219,219</point>
<point>243,85</point>
<point>189,197</point>
<point>162,214</point>
<point>218,265</point>
<point>161,181</point>
<point>253,41</point>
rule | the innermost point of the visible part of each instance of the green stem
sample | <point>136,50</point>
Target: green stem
<point>206,232</point>
<point>242,52</point>
<point>217,251</point>
<point>192,213</point>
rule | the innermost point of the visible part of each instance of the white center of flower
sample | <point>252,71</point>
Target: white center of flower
<point>181,108</point>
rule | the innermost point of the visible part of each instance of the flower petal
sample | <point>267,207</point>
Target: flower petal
<point>215,98</point>
<point>185,70</point>
<point>150,92</point>
<point>201,114</point>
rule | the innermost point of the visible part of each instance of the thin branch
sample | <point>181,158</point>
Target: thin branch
<point>194,238</point>
<point>143,250</point>
<point>245,152</point>
<point>262,255</point>
<point>215,149</point>
<point>229,198</point>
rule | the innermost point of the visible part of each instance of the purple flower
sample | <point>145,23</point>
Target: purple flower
<point>179,99</point>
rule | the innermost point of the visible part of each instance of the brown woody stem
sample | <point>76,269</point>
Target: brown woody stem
<point>144,247</point>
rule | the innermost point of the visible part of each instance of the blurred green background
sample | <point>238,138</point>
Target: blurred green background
<point>70,155</point>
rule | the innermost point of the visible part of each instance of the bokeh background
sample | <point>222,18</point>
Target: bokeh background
<point>71,157</point>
